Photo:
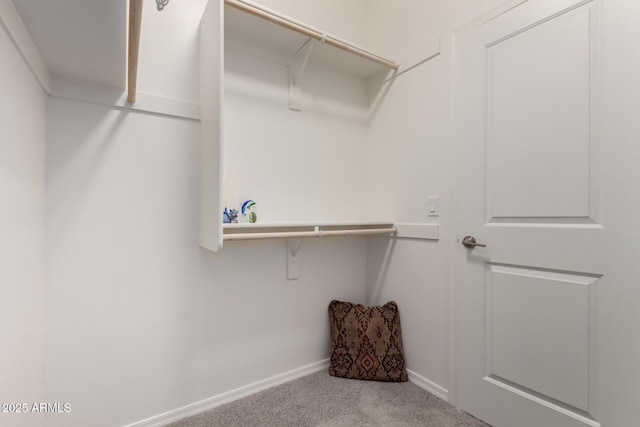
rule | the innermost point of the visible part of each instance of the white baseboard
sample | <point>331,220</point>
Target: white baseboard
<point>239,393</point>
<point>230,396</point>
<point>429,386</point>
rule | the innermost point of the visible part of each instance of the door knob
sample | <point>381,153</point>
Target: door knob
<point>469,242</point>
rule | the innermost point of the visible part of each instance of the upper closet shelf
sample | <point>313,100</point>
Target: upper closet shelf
<point>308,46</point>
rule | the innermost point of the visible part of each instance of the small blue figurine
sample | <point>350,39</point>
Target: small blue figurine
<point>249,212</point>
<point>230,216</point>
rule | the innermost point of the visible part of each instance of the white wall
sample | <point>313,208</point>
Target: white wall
<point>139,317</point>
<point>342,18</point>
<point>22,120</point>
<point>168,42</point>
<point>411,141</point>
<point>297,166</point>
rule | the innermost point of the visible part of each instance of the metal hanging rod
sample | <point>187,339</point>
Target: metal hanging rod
<point>316,233</point>
<point>135,22</point>
<point>308,31</point>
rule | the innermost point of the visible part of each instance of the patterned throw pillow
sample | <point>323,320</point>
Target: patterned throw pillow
<point>366,342</point>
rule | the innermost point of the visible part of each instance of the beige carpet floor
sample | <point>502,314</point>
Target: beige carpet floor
<point>321,400</point>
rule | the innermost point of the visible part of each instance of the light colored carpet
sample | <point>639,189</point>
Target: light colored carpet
<point>321,400</point>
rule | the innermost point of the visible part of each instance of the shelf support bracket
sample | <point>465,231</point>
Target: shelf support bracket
<point>293,262</point>
<point>296,72</point>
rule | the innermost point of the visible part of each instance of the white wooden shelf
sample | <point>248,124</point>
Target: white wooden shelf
<point>244,26</point>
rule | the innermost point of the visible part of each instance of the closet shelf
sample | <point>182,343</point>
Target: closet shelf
<point>263,231</point>
<point>257,25</point>
<point>250,35</point>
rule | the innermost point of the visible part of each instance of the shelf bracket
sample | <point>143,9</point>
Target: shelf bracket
<point>296,72</point>
<point>293,262</point>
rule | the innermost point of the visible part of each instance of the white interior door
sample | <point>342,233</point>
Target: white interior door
<point>529,190</point>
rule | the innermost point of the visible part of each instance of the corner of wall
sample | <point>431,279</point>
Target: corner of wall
<point>17,32</point>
